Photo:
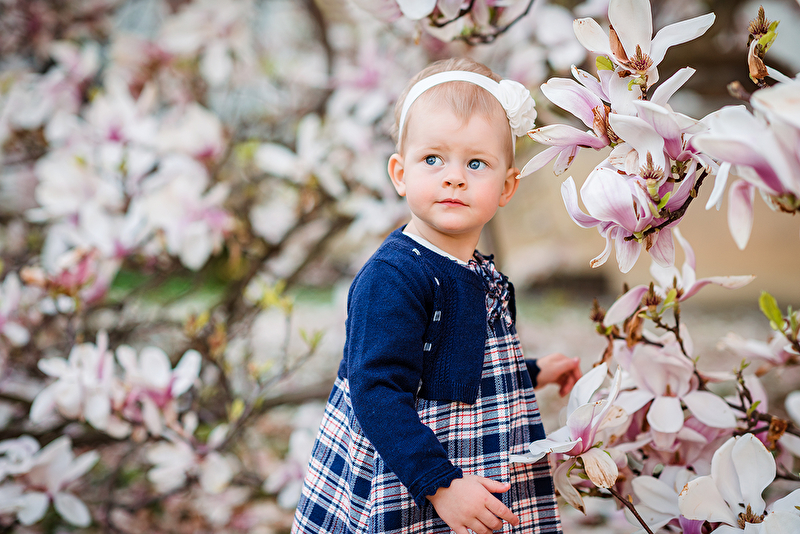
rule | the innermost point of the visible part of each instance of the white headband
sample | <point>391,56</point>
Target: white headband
<point>513,96</point>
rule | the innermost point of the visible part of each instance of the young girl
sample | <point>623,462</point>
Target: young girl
<point>433,393</point>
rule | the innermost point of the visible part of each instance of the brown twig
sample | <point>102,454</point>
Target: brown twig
<point>629,505</point>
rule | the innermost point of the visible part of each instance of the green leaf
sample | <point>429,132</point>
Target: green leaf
<point>752,408</point>
<point>603,63</point>
<point>236,409</point>
<point>769,306</point>
<point>670,297</point>
<point>664,200</point>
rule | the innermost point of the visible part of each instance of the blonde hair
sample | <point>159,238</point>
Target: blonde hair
<point>464,98</point>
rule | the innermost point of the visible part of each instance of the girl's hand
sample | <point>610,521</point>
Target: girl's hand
<point>469,504</point>
<point>558,369</point>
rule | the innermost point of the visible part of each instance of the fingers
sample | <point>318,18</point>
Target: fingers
<point>495,506</point>
<point>568,379</point>
<point>494,486</point>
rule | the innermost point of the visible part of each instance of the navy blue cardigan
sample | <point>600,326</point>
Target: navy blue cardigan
<point>416,325</point>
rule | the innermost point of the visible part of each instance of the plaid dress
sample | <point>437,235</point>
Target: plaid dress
<point>349,489</point>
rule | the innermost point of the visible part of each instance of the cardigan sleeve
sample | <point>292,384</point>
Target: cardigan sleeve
<point>387,317</point>
<point>533,370</point>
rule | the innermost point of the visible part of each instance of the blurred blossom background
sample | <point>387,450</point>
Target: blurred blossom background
<point>187,188</point>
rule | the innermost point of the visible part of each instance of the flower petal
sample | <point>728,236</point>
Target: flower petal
<point>564,488</point>
<point>662,249</point>
<point>572,97</point>
<point>720,181</point>
<point>608,196</point>
<point>641,136</point>
<point>541,447</point>
<point>625,305</point>
<point>600,467</point>
<point>668,87</point>
<point>728,282</point>
<point>156,366</point>
<point>33,506</point>
<point>633,22</point>
<point>540,160</point>
<point>781,523</point>
<point>186,372</point>
<point>656,494</point>
<point>586,386</point>
<point>665,415</point>
<point>700,499</point>
<point>591,36</point>
<point>627,253</point>
<point>565,135</point>
<point>663,122</point>
<point>564,160</point>
<point>416,9</point>
<point>570,197</point>
<point>276,159</point>
<point>756,469</point>
<point>680,32</point>
<point>621,95</point>
<point>710,409</point>
<point>723,471</point>
<point>72,509</point>
<point>740,212</point>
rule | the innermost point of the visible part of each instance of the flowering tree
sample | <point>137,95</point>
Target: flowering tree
<point>679,456</point>
<point>170,170</point>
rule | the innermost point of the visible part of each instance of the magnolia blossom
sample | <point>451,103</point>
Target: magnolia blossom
<point>44,478</point>
<point>36,100</point>
<point>219,32</point>
<point>310,161</point>
<point>70,179</point>
<point>174,460</point>
<point>10,296</point>
<point>740,472</point>
<point>658,498</point>
<point>776,350</point>
<point>192,130</point>
<point>685,283</point>
<point>593,101</point>
<point>579,438</point>
<point>761,149</point>
<point>177,203</point>
<point>620,210</point>
<point>152,385</point>
<point>665,378</point>
<point>631,44</point>
<point>85,388</point>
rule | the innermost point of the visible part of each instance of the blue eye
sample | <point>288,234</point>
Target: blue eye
<point>433,160</point>
<point>476,165</point>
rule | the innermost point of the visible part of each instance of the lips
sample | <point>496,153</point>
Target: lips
<point>452,202</point>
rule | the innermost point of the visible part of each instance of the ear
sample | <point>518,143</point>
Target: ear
<point>397,175</point>
<point>509,186</point>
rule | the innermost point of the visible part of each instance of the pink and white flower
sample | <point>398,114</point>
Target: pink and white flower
<point>152,385</point>
<point>665,379</point>
<point>741,470</point>
<point>578,439</point>
<point>684,282</point>
<point>180,208</point>
<point>50,472</point>
<point>631,44</point>
<point>85,388</point>
<point>761,149</point>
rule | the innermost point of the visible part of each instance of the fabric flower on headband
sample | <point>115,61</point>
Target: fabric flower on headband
<point>519,105</point>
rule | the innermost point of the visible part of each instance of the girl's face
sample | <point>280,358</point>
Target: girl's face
<point>453,174</point>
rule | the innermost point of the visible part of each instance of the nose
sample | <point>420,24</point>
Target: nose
<point>455,178</point>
